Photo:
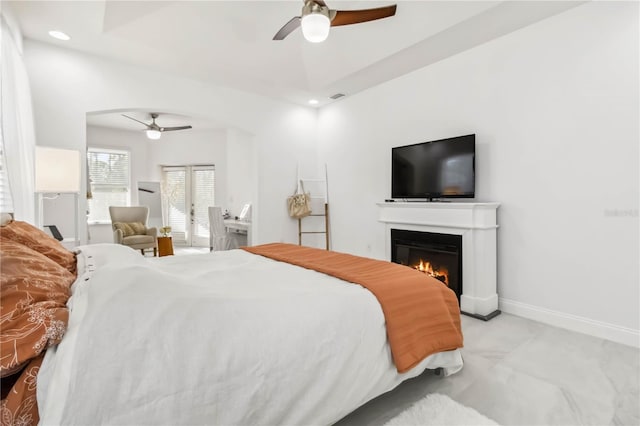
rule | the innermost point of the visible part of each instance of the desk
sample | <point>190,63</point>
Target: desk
<point>239,227</point>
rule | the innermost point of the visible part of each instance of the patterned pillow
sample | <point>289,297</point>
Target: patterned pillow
<point>33,311</point>
<point>38,240</point>
<point>130,229</point>
<point>20,407</point>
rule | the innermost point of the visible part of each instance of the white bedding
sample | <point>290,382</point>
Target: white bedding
<point>224,338</point>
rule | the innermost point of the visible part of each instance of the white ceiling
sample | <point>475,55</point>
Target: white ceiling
<point>229,43</point>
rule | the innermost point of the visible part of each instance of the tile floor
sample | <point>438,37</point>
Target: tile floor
<point>521,372</point>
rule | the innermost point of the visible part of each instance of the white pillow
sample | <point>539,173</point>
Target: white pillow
<point>5,218</point>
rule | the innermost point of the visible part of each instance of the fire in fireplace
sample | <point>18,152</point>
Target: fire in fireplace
<point>440,273</point>
<point>439,255</point>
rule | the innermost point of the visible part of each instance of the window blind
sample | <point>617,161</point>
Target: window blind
<point>109,172</point>
<point>174,191</point>
<point>203,197</point>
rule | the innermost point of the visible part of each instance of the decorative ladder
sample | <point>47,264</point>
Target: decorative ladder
<point>324,198</point>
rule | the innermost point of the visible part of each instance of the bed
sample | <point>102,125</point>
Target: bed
<point>220,338</point>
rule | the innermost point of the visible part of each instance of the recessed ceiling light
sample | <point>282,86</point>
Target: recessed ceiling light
<point>313,102</point>
<point>59,35</point>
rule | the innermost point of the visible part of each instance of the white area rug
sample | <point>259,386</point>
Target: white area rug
<point>440,410</point>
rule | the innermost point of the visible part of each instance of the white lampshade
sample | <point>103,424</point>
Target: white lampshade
<point>57,170</point>
<point>315,27</point>
<point>154,134</point>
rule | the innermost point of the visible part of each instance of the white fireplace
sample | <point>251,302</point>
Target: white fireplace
<point>476,223</point>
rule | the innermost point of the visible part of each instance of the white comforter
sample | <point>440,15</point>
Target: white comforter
<point>224,338</point>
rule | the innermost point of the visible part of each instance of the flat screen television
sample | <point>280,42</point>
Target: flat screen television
<point>437,169</point>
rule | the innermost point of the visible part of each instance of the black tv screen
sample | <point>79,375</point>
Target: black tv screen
<point>438,169</point>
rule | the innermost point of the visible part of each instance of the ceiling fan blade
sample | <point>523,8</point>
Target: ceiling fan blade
<point>348,17</point>
<point>320,2</point>
<point>134,119</point>
<point>293,24</point>
<point>170,129</point>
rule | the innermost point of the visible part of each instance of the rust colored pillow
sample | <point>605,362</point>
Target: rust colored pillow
<point>33,311</point>
<point>130,229</point>
<point>38,240</point>
<point>21,406</point>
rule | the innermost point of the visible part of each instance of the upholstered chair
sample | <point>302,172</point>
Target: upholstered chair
<point>130,228</point>
<point>219,238</point>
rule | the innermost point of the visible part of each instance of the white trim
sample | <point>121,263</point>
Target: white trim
<point>466,205</point>
<point>603,330</point>
<point>444,225</point>
<point>98,222</point>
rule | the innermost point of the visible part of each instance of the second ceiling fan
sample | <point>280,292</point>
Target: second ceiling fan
<point>316,19</point>
<point>154,131</point>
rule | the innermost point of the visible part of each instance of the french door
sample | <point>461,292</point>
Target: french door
<point>187,192</point>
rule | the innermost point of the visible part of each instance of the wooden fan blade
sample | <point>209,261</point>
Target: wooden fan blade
<point>170,129</point>
<point>348,17</point>
<point>293,24</point>
<point>131,118</point>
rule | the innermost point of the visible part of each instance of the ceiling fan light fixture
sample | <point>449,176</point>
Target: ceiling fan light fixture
<point>59,35</point>
<point>315,27</point>
<point>153,134</point>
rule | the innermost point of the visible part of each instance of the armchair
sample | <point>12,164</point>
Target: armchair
<point>130,228</point>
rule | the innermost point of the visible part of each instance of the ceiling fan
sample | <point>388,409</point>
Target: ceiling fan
<point>154,131</point>
<point>316,18</point>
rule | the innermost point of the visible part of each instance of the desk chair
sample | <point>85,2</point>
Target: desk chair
<point>219,238</point>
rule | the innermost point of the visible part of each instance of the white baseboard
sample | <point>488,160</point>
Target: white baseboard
<point>615,333</point>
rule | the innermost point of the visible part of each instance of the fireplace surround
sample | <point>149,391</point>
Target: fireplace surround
<point>475,224</point>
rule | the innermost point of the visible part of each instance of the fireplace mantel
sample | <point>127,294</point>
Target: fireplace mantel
<point>477,223</point>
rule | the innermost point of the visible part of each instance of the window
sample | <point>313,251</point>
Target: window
<point>109,174</point>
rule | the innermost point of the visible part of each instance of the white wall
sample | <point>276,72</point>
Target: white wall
<point>135,143</point>
<point>67,84</point>
<point>192,147</point>
<point>241,181</point>
<point>554,107</point>
<point>173,149</point>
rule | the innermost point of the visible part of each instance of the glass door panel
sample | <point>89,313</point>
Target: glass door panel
<point>188,191</point>
<point>202,196</point>
<point>175,202</point>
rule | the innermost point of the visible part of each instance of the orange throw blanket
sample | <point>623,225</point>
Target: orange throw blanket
<point>422,314</point>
